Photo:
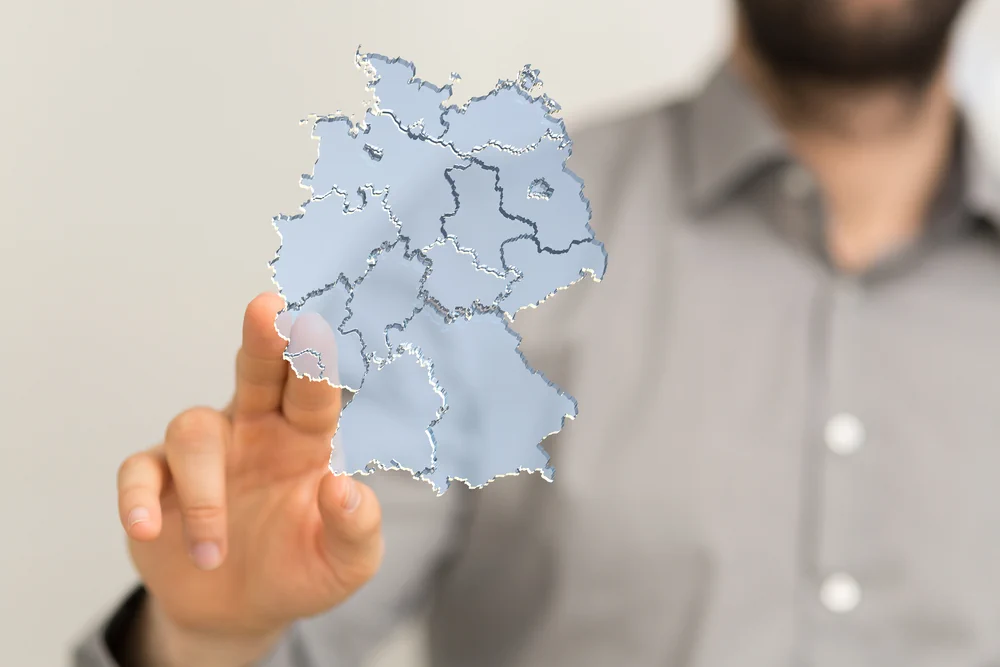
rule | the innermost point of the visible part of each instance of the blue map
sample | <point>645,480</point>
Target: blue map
<point>429,227</point>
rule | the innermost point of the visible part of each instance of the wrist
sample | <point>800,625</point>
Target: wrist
<point>159,642</point>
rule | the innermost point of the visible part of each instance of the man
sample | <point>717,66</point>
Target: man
<point>789,432</point>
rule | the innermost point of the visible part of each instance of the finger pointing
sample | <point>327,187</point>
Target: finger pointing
<point>260,363</point>
<point>309,405</point>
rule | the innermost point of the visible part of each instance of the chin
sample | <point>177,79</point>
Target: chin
<point>864,11</point>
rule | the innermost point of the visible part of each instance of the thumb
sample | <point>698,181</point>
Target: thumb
<point>352,528</point>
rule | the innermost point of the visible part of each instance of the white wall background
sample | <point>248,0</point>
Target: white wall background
<point>144,147</point>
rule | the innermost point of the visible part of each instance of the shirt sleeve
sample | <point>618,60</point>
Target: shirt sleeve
<point>423,533</point>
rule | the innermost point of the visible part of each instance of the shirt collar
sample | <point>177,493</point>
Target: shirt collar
<point>732,137</point>
<point>982,184</point>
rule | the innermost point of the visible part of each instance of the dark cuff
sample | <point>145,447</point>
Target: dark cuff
<point>118,632</point>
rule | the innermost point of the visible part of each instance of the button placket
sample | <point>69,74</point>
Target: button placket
<point>844,434</point>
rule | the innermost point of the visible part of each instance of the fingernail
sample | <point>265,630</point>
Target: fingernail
<point>353,497</point>
<point>206,555</point>
<point>137,515</point>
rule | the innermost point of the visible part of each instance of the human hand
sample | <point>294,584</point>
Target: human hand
<point>235,523</point>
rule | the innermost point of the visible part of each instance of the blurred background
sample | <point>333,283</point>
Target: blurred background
<point>144,148</point>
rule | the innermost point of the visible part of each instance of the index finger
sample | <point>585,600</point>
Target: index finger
<point>312,404</point>
<point>260,364</point>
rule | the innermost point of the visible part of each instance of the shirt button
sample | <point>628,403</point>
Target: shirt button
<point>840,593</point>
<point>796,183</point>
<point>844,434</point>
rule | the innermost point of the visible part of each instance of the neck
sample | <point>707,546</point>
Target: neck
<point>878,152</point>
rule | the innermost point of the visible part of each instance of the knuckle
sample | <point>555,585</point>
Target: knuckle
<point>192,426</point>
<point>258,370</point>
<point>203,513</point>
<point>316,398</point>
<point>313,416</point>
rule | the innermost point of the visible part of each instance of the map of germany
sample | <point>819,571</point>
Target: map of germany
<point>430,226</point>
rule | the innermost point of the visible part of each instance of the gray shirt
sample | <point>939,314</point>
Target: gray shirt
<point>774,463</point>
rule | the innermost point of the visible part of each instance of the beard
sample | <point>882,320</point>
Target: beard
<point>854,43</point>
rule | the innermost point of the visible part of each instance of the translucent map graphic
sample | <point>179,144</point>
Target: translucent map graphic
<point>429,227</point>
